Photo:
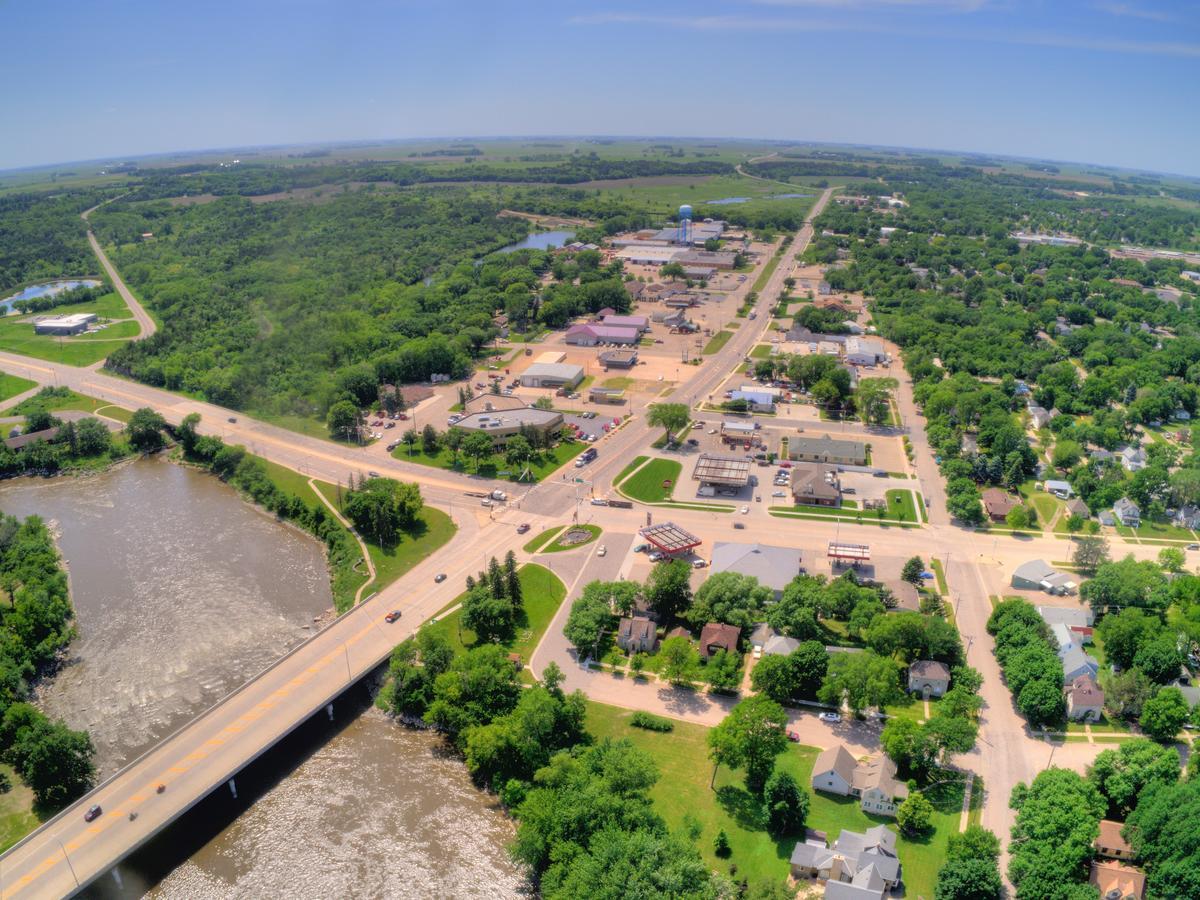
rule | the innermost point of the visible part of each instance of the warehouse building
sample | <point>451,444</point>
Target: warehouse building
<point>618,359</point>
<point>503,424</point>
<point>552,375</point>
<point>828,450</point>
<point>76,323</point>
<point>591,335</point>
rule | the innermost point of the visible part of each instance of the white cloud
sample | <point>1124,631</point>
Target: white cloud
<point>1128,10</point>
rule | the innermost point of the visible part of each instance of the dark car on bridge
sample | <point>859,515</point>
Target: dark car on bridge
<point>93,813</point>
<point>392,616</point>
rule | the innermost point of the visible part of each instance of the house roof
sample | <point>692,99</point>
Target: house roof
<point>1125,505</point>
<point>720,635</point>
<point>1072,617</point>
<point>879,772</point>
<point>998,502</point>
<point>929,668</point>
<point>1110,837</point>
<point>809,481</point>
<point>636,628</point>
<point>836,759</point>
<point>1057,484</point>
<point>1076,507</point>
<point>825,445</point>
<point>780,645</point>
<point>1085,692</point>
<point>24,440</point>
<point>1114,876</point>
<point>906,595</point>
<point>1036,570</point>
<point>1074,660</point>
<point>774,567</point>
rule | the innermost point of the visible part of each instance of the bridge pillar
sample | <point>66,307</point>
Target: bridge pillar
<point>116,874</point>
<point>329,711</point>
<point>233,788</point>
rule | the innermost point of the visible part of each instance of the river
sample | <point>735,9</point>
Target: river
<point>182,592</point>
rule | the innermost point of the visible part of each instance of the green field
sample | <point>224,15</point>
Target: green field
<point>11,385</point>
<point>647,483</point>
<point>490,467</point>
<point>637,461</point>
<point>761,351</point>
<point>765,275</point>
<point>682,790</point>
<point>717,341</point>
<point>542,593</point>
<point>556,545</point>
<point>68,399</point>
<point>16,333</point>
<point>901,506</point>
<point>17,817</point>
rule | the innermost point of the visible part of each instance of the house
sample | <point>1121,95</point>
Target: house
<point>716,636</point>
<point>1039,416</point>
<point>1060,489</point>
<point>1133,459</point>
<point>591,335</point>
<point>828,450</point>
<point>552,375</point>
<point>929,678</point>
<point>770,642</point>
<point>816,486</point>
<point>635,634</point>
<point>1085,702</point>
<point>1076,663</point>
<point>862,352</point>
<point>758,401</point>
<point>1181,415</point>
<point>1110,843</point>
<point>1117,881</point>
<point>634,289</point>
<point>1127,512</point>
<point>774,567</point>
<point>997,503</point>
<point>872,781</point>
<point>833,771</point>
<point>1037,575</point>
<point>1076,507</point>
<point>1101,455</point>
<point>1077,619</point>
<point>859,866</point>
<point>1188,516</point>
<point>905,595</point>
<point>20,441</point>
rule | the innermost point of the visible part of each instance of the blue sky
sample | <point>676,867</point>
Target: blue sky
<point>1105,81</point>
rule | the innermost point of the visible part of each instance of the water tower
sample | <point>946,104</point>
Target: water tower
<point>685,225</point>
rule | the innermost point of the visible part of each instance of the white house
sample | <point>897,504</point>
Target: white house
<point>862,352</point>
<point>1060,489</point>
<point>873,782</point>
<point>1127,512</point>
<point>1133,459</point>
<point>928,678</point>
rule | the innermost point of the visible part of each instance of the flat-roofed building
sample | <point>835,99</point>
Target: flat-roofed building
<point>606,395</point>
<point>700,273</point>
<point>825,449</point>
<point>863,352</point>
<point>618,359</point>
<point>503,424</point>
<point>592,335</point>
<point>716,259</point>
<point>774,567</point>
<point>644,254</point>
<point>722,471</point>
<point>76,323</point>
<point>641,323</point>
<point>552,375</point>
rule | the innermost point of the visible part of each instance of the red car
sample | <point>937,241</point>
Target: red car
<point>392,616</point>
<point>794,737</point>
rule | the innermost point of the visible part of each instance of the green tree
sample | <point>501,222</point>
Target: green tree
<point>1017,518</point>
<point>750,737</point>
<point>679,660</point>
<point>861,681</point>
<point>489,616</point>
<point>517,451</point>
<point>53,760</point>
<point>786,804</point>
<point>668,589</point>
<point>908,745</point>
<point>968,879</point>
<point>1162,830</point>
<point>1090,553</point>
<point>479,686</point>
<point>1123,772</point>
<point>382,508</point>
<point>912,570</point>
<point>1125,632</point>
<point>729,597</point>
<point>93,437</point>
<point>1058,819</point>
<point>145,429</point>
<point>671,417</point>
<point>429,440</point>
<point>976,842</point>
<point>410,438</point>
<point>186,432</point>
<point>1164,714</point>
<point>723,671</point>
<point>873,399</point>
<point>914,815</point>
<point>1172,559</point>
<point>1127,582</point>
<point>1159,658</point>
<point>590,616</point>
<point>477,445</point>
<point>721,844</point>
<point>1125,693</point>
<point>342,419</point>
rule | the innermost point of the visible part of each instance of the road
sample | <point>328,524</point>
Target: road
<point>201,756</point>
<point>147,325</point>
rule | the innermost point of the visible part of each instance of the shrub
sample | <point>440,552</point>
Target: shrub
<point>651,722</point>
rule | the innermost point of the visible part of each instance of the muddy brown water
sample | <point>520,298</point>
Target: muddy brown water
<point>182,592</point>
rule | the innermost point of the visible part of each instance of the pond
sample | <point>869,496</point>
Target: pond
<point>541,240</point>
<point>48,289</point>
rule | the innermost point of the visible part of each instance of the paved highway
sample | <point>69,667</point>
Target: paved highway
<point>147,325</point>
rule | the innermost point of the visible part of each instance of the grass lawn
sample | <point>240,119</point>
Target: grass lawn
<point>68,399</point>
<point>761,351</point>
<point>556,545</point>
<point>637,461</point>
<point>17,817</point>
<point>16,333</point>
<point>682,790</point>
<point>901,505</point>
<point>647,483</point>
<point>765,275</point>
<point>542,593</point>
<point>1163,529</point>
<point>858,516</point>
<point>618,383</point>
<point>492,466</point>
<point>309,426</point>
<point>717,341</point>
<point>936,565</point>
<point>11,385</point>
<point>534,545</point>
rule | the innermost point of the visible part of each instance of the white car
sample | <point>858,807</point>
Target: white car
<point>712,431</point>
<point>602,551</point>
<point>758,652</point>
<point>744,510</point>
<point>779,493</point>
<point>655,556</point>
<point>698,564</point>
<point>829,717</point>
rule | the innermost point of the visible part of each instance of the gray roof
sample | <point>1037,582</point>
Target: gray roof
<point>1075,662</point>
<point>929,668</point>
<point>836,759</point>
<point>780,645</point>
<point>636,628</point>
<point>774,567</point>
<point>510,418</point>
<point>825,445</point>
<point>1036,570</point>
<point>554,370</point>
<point>1125,505</point>
<point>1077,617</point>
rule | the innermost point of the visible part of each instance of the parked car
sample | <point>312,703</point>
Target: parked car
<point>233,419</point>
<point>830,717</point>
<point>744,510</point>
<point>655,556</point>
<point>392,616</point>
<point>371,474</point>
<point>794,737</point>
<point>699,563</point>
<point>849,490</point>
<point>641,548</point>
<point>779,493</point>
<point>1193,546</point>
<point>739,525</point>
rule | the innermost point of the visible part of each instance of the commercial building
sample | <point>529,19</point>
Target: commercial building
<point>640,253</point>
<point>816,485</point>
<point>503,424</point>
<point>844,554</point>
<point>552,375</point>
<point>641,323</point>
<point>591,335</point>
<point>1037,575</point>
<point>76,323</point>
<point>738,432</point>
<point>756,400</point>
<point>825,449</point>
<point>606,395</point>
<point>618,359</point>
<point>862,352</point>
<point>713,259</point>
<point>699,273</point>
<point>774,567</point>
